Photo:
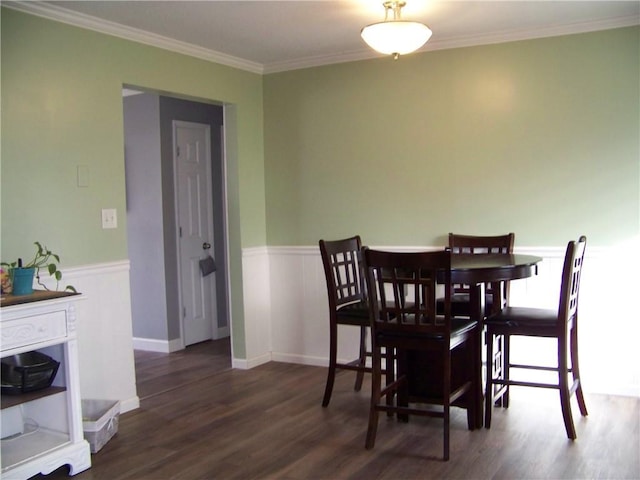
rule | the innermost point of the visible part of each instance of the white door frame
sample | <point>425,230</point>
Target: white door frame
<point>222,332</point>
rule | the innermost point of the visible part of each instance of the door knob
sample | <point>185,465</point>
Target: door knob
<point>206,246</point>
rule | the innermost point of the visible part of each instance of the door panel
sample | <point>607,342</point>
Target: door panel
<point>195,229</point>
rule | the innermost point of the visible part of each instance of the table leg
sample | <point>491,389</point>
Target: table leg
<point>477,303</point>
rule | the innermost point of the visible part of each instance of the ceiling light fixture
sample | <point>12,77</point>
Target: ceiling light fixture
<point>395,37</point>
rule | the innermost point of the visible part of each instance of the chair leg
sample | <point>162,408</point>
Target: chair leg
<point>445,447</point>
<point>476,380</point>
<point>402,389</point>
<point>497,364</point>
<point>563,382</point>
<point>362,360</point>
<point>469,397</point>
<point>488,393</point>
<point>506,363</point>
<point>471,414</point>
<point>474,397</point>
<point>376,381</point>
<point>575,370</point>
<point>331,373</point>
<point>389,375</point>
<point>446,397</point>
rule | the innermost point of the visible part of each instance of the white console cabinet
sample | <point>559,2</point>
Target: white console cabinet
<point>51,418</point>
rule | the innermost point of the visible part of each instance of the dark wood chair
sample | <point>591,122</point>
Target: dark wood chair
<point>497,293</point>
<point>561,324</point>
<point>402,297</point>
<point>347,305</point>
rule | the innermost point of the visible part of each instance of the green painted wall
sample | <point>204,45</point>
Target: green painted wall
<point>62,107</point>
<point>537,137</point>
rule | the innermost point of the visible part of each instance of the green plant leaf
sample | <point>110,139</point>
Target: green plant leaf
<point>42,258</point>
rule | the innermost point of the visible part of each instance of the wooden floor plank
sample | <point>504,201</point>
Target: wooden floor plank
<point>267,423</point>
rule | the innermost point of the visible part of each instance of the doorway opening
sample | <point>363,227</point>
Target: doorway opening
<point>162,305</point>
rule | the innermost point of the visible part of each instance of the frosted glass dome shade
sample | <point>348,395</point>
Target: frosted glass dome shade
<point>396,37</point>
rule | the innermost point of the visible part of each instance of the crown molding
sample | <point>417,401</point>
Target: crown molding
<point>460,42</point>
<point>533,33</point>
<point>59,14</point>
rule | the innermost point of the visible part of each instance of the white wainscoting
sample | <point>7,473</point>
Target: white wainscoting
<point>257,308</point>
<point>286,312</point>
<point>105,336</point>
<point>286,317</point>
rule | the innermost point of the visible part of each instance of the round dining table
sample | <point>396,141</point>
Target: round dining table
<point>475,270</point>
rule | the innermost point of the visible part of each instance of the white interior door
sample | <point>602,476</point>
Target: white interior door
<point>192,160</point>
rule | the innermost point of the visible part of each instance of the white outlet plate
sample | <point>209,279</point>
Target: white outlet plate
<point>109,218</point>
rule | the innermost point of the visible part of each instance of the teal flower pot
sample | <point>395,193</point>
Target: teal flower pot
<point>22,280</point>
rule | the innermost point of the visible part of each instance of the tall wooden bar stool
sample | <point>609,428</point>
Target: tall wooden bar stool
<point>402,297</point>
<point>561,324</point>
<point>347,305</point>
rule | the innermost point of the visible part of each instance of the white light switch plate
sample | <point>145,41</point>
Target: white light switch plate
<point>109,218</point>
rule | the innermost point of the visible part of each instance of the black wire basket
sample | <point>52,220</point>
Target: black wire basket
<point>26,372</point>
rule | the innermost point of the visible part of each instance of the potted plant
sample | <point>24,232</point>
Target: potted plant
<point>22,274</point>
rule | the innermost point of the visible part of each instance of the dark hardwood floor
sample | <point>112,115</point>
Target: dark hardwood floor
<point>200,419</point>
<point>158,373</point>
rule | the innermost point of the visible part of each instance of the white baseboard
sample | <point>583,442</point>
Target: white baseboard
<point>154,345</point>
<point>242,364</point>
<point>129,404</point>
<point>301,359</point>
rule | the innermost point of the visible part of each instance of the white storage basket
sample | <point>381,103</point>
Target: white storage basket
<point>99,421</point>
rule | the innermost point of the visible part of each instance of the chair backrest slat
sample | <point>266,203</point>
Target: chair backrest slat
<point>343,271</point>
<point>481,244</point>
<point>402,290</point>
<point>484,245</point>
<point>571,276</point>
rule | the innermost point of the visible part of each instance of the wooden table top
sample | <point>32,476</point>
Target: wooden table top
<point>493,267</point>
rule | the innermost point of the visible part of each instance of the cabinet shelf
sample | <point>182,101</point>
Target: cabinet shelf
<point>12,400</point>
<point>30,445</point>
<point>51,434</point>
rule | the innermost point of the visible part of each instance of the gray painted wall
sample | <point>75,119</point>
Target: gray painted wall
<point>145,219</point>
<point>151,208</point>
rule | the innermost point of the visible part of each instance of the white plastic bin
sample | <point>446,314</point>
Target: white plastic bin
<point>99,421</point>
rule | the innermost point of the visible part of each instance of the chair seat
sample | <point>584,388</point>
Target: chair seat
<point>460,306</point>
<point>353,314</point>
<point>459,326</point>
<point>524,317</point>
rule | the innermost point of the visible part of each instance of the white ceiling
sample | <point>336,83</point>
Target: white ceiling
<point>269,36</point>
